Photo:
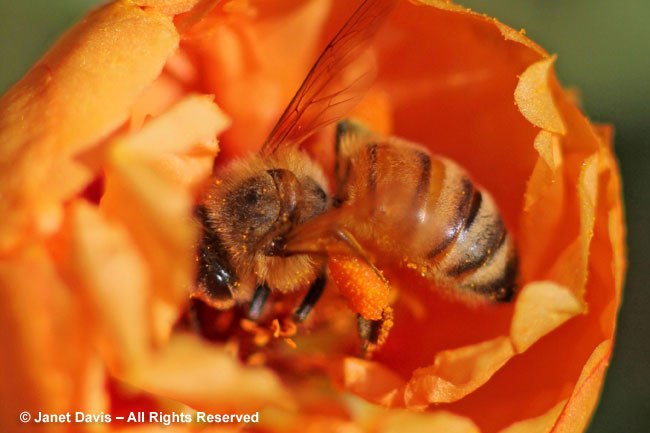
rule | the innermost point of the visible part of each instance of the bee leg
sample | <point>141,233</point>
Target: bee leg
<point>373,333</point>
<point>313,295</point>
<point>367,329</point>
<point>259,298</point>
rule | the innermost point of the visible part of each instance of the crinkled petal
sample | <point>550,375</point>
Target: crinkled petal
<point>541,307</point>
<point>535,100</point>
<point>456,373</point>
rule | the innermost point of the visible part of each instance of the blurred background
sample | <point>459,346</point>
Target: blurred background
<point>603,50</point>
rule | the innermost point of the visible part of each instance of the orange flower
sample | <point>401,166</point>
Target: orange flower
<point>105,145</point>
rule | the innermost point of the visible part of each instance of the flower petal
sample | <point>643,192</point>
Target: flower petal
<point>241,55</point>
<point>39,371</point>
<point>535,100</point>
<point>146,188</point>
<point>169,7</point>
<point>541,307</point>
<point>570,268</point>
<point>541,424</point>
<point>439,421</point>
<point>112,275</point>
<point>208,378</point>
<point>578,410</point>
<point>76,94</point>
<point>372,381</point>
<point>454,95</point>
<point>456,373</point>
<point>543,207</point>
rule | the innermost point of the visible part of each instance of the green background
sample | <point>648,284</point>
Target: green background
<point>603,49</point>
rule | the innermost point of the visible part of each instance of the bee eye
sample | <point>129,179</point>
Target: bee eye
<point>251,197</point>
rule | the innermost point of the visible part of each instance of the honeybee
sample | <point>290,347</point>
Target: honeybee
<point>270,221</point>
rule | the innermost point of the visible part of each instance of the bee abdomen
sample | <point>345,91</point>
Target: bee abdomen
<point>497,283</point>
<point>482,235</point>
<point>427,210</point>
<point>475,253</point>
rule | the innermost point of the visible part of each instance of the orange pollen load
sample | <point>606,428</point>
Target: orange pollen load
<point>364,290</point>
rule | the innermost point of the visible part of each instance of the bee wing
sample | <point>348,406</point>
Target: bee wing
<point>335,83</point>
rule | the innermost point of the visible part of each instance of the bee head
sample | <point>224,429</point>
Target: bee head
<point>263,209</point>
<point>249,211</point>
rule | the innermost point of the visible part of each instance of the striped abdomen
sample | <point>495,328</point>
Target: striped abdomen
<point>410,206</point>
